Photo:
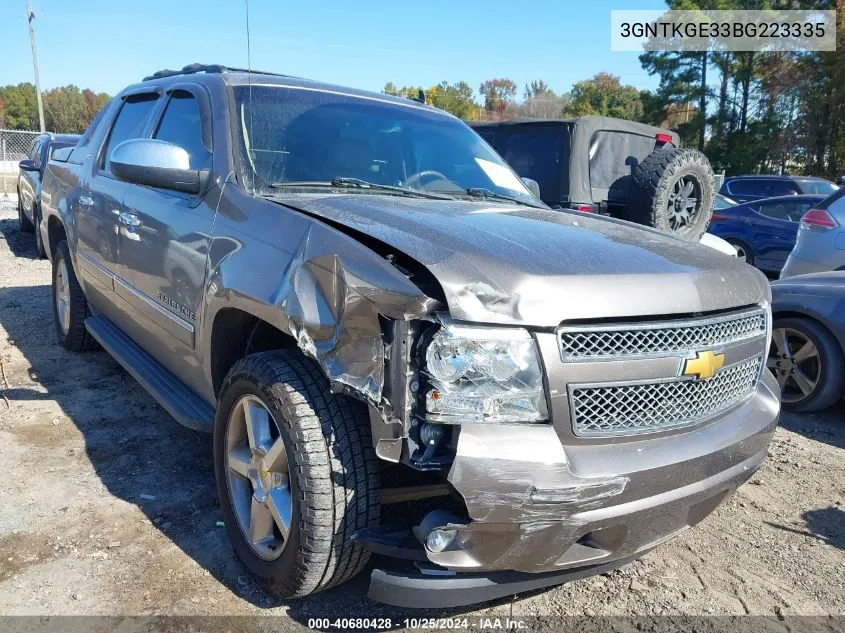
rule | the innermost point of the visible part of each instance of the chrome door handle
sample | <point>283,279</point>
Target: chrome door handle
<point>86,201</point>
<point>129,219</point>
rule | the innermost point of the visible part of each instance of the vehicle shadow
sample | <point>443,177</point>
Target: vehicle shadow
<point>21,244</point>
<point>826,524</point>
<point>822,426</point>
<point>144,457</point>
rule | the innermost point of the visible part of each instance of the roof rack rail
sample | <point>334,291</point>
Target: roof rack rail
<point>191,69</point>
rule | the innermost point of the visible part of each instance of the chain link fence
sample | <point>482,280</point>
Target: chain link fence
<point>14,147</point>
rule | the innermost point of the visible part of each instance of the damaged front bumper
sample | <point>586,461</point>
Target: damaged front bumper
<point>541,512</point>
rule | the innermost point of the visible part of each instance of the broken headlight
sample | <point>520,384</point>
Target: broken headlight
<point>482,374</point>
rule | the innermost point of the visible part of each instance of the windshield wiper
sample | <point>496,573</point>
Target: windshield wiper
<point>487,194</point>
<point>357,183</point>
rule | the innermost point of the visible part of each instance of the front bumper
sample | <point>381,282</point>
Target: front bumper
<point>537,505</point>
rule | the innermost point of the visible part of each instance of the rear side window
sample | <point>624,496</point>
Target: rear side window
<point>130,123</point>
<point>791,211</point>
<point>488,133</point>
<point>747,187</point>
<point>613,157</point>
<point>782,188</point>
<point>820,187</point>
<point>182,126</point>
<point>537,152</point>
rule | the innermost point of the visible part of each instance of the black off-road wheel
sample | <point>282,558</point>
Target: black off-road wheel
<point>296,473</point>
<point>672,191</point>
<point>70,307</point>
<point>23,222</point>
<point>808,364</point>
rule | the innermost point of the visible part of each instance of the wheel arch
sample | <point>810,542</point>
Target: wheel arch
<point>236,333</point>
<point>56,232</point>
<point>795,312</point>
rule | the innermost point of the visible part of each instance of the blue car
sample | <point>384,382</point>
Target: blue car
<point>763,231</point>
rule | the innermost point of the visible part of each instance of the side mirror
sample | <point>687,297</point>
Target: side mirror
<point>533,186</point>
<point>28,164</point>
<point>146,161</point>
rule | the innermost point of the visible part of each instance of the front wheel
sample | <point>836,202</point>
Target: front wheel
<point>24,223</point>
<point>296,473</point>
<point>39,241</point>
<point>70,308</point>
<point>807,362</point>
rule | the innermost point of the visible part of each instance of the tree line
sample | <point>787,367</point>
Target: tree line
<point>66,109</point>
<point>750,112</point>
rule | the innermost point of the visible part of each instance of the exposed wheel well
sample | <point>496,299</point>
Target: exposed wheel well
<point>236,334</point>
<point>55,234</point>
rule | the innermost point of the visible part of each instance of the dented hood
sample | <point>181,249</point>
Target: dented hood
<point>509,264</point>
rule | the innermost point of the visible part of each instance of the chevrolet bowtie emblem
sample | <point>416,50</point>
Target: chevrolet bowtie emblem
<point>704,365</point>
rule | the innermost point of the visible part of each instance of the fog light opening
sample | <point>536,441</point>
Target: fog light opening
<point>438,540</point>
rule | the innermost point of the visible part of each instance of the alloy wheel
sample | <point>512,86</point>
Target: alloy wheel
<point>794,360</point>
<point>258,477</point>
<point>684,203</point>
<point>62,291</point>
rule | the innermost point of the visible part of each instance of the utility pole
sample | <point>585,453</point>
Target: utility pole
<point>30,17</point>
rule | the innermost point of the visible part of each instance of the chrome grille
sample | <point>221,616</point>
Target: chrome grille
<point>628,340</point>
<point>608,409</point>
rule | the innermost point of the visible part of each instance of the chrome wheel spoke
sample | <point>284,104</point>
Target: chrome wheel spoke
<point>257,421</point>
<point>276,459</point>
<point>260,523</point>
<point>772,363</point>
<point>782,378</point>
<point>807,351</point>
<point>804,382</point>
<point>239,461</point>
<point>257,473</point>
<point>279,503</point>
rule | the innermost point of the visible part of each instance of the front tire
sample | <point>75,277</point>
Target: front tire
<point>23,222</point>
<point>70,307</point>
<point>39,241</point>
<point>808,364</point>
<point>296,473</point>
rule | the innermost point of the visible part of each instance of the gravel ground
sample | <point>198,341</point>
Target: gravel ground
<point>107,505</point>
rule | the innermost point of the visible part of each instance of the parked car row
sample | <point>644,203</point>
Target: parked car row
<point>29,181</point>
<point>367,307</point>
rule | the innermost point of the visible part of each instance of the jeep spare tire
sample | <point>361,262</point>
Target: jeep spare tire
<point>673,192</point>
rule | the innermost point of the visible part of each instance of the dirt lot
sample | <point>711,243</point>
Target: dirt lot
<point>107,505</point>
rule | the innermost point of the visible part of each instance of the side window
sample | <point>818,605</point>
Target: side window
<point>777,210</point>
<point>80,149</point>
<point>782,188</point>
<point>37,149</point>
<point>747,186</point>
<point>182,126</point>
<point>130,123</point>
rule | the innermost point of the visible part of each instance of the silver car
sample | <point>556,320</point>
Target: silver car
<point>820,246</point>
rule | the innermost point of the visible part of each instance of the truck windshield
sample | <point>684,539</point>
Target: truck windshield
<point>300,135</point>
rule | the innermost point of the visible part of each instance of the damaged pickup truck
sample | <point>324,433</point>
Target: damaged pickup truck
<point>398,348</point>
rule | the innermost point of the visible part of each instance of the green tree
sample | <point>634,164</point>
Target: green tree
<point>605,95</point>
<point>457,99</point>
<point>498,94</point>
<point>20,108</point>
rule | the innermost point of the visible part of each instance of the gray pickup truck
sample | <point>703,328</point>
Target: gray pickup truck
<point>399,349</point>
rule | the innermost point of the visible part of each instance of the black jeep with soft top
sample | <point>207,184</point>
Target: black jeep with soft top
<point>624,169</point>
